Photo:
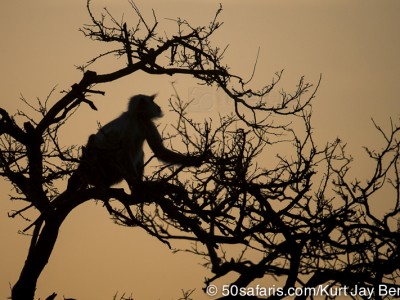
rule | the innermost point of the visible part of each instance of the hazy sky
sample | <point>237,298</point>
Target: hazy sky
<point>355,45</point>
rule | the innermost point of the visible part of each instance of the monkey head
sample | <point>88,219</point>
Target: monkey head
<point>144,107</point>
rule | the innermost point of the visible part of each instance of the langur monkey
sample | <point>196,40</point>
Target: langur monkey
<point>115,152</point>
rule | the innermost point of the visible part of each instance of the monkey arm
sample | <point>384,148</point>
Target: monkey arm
<point>156,144</point>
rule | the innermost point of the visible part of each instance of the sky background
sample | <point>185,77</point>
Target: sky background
<point>355,45</point>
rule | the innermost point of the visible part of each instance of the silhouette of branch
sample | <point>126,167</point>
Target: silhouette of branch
<point>295,215</point>
<point>190,51</point>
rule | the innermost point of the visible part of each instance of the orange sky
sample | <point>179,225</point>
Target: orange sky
<point>354,44</point>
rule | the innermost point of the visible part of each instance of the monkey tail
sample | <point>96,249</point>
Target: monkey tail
<point>75,182</point>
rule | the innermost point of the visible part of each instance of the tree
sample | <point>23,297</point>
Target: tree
<point>283,227</point>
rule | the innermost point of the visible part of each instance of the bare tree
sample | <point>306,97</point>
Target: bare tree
<point>297,218</point>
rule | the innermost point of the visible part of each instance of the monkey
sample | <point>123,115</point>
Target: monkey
<point>115,152</point>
